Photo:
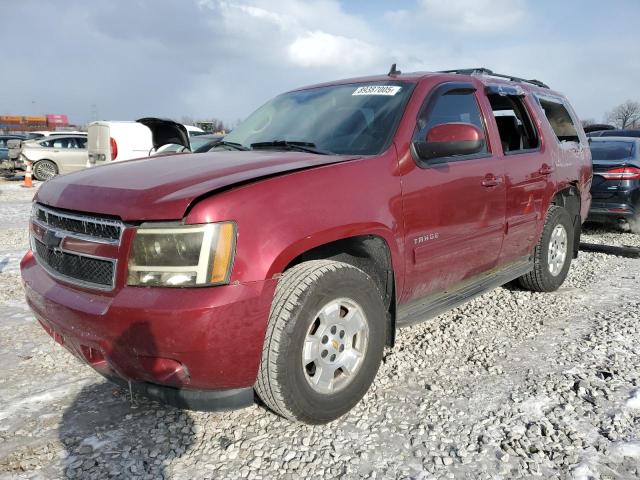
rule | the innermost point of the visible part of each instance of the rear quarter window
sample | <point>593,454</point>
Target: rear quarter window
<point>560,120</point>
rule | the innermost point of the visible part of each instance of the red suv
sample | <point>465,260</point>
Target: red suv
<point>283,261</point>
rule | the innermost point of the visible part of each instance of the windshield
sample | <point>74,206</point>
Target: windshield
<point>611,150</point>
<point>353,119</point>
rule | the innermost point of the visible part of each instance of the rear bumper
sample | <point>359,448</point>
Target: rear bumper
<point>189,345</point>
<point>609,210</point>
<point>611,202</point>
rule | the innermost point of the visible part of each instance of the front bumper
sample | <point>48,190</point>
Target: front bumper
<point>165,341</point>
<point>12,164</point>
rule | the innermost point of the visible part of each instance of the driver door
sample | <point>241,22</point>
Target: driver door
<point>454,207</point>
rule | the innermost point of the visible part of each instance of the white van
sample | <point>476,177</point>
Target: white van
<point>116,141</point>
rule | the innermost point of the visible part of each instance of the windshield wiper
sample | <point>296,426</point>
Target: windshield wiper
<point>234,145</point>
<point>291,145</point>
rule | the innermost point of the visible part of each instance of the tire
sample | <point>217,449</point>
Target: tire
<point>634,223</point>
<point>44,170</point>
<point>287,382</point>
<point>547,275</point>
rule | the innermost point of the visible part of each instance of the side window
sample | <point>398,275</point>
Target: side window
<point>81,143</point>
<point>47,143</point>
<point>62,143</point>
<point>517,132</point>
<point>560,120</point>
<point>453,106</point>
<point>3,143</point>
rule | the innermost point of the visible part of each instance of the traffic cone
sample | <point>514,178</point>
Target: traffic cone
<point>28,182</point>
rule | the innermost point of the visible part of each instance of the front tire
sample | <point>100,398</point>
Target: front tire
<point>44,170</point>
<point>553,253</point>
<point>324,341</point>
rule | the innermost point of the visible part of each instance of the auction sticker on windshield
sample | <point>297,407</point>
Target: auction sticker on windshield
<point>377,90</point>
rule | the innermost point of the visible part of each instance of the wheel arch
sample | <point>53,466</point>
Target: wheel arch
<point>371,252</point>
<point>570,199</point>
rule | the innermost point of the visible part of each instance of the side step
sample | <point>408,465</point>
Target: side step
<point>433,305</point>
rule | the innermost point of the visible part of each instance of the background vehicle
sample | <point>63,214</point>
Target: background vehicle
<point>596,127</point>
<point>115,141</point>
<point>194,131</point>
<point>615,133</point>
<point>51,133</point>
<point>4,144</point>
<point>7,165</point>
<point>284,260</point>
<point>616,181</point>
<point>204,143</point>
<point>55,155</point>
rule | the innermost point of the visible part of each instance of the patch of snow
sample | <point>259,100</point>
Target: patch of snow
<point>94,442</point>
<point>628,449</point>
<point>583,472</point>
<point>33,402</point>
<point>634,400</point>
<point>534,407</point>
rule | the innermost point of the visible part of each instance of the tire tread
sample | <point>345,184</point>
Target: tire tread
<point>292,285</point>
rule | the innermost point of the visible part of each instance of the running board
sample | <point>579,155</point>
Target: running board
<point>433,305</point>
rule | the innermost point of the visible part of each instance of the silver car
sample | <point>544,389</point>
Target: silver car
<point>55,155</point>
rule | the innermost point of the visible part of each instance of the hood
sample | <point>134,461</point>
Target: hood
<point>163,187</point>
<point>164,132</point>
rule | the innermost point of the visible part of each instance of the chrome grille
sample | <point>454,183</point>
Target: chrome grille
<point>96,229</point>
<point>74,267</point>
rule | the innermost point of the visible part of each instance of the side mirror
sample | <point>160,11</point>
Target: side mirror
<point>450,139</point>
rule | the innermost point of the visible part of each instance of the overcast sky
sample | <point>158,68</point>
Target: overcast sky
<point>125,59</point>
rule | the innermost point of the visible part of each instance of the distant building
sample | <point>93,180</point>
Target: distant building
<point>26,123</point>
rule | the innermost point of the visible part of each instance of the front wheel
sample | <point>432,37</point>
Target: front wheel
<point>324,341</point>
<point>44,170</point>
<point>553,253</point>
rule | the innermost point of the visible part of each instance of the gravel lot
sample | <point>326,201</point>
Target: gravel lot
<point>511,385</point>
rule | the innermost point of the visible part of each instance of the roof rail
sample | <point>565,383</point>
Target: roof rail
<point>486,71</point>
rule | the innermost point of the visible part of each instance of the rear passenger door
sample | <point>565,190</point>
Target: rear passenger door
<point>71,153</point>
<point>454,208</point>
<point>527,169</point>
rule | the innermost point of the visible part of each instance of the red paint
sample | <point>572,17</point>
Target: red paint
<point>454,132</point>
<point>442,224</point>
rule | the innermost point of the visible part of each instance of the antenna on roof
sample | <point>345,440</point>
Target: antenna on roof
<point>393,71</point>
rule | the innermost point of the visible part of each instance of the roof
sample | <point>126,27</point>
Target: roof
<point>486,76</point>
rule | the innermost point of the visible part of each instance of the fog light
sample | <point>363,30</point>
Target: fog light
<point>165,371</point>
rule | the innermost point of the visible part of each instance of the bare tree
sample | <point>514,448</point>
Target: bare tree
<point>588,121</point>
<point>625,115</point>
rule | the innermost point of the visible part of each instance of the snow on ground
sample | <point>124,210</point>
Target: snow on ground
<point>511,385</point>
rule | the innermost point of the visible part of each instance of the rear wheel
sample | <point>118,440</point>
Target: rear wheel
<point>324,341</point>
<point>44,170</point>
<point>553,253</point>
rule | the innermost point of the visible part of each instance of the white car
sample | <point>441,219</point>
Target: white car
<point>55,155</point>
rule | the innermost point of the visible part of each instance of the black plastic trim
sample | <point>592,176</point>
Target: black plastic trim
<point>201,400</point>
<point>433,305</point>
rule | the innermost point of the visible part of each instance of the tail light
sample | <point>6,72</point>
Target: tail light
<point>622,173</point>
<point>114,148</point>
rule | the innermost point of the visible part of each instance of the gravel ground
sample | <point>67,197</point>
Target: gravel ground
<point>510,385</point>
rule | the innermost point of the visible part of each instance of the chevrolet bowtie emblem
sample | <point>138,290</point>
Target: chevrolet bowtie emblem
<point>51,239</point>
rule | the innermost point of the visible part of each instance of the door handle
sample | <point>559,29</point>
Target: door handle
<point>545,170</point>
<point>490,180</point>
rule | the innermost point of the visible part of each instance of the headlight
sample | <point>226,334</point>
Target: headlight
<point>182,256</point>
